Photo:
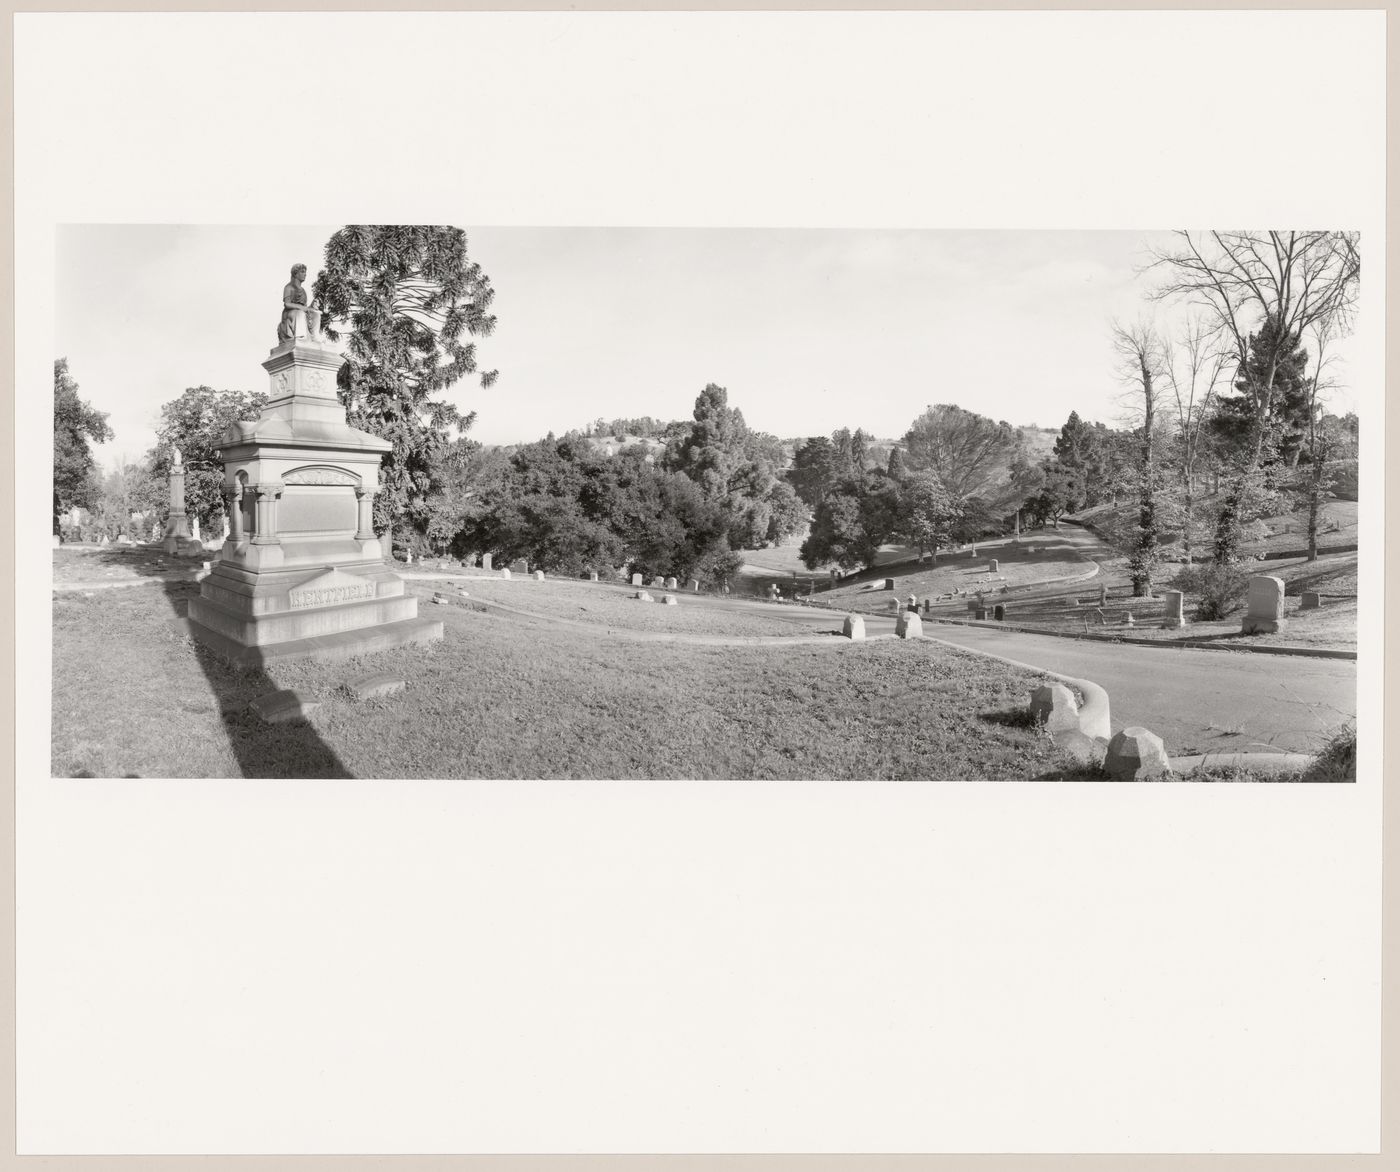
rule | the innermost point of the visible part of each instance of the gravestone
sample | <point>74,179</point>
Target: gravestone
<point>888,584</point>
<point>636,579</point>
<point>980,614</point>
<point>1136,754</point>
<point>853,627</point>
<point>658,583</point>
<point>834,572</point>
<point>301,573</point>
<point>993,566</point>
<point>670,583</point>
<point>1054,706</point>
<point>1103,594</point>
<point>177,527</point>
<point>539,575</point>
<point>1265,606</point>
<point>695,585</point>
<point>371,686</point>
<point>520,566</point>
<point>908,625</point>
<point>999,612</point>
<point>1311,600</point>
<point>643,596</point>
<point>593,575</point>
<point>1175,613</point>
<point>894,604</point>
<point>486,561</point>
<point>669,599</point>
<point>926,604</point>
<point>278,707</point>
<point>505,573</point>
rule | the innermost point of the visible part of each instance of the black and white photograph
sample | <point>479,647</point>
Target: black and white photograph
<point>699,585</point>
<point>887,505</point>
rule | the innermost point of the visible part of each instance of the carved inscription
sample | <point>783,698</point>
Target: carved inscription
<point>319,476</point>
<point>329,595</point>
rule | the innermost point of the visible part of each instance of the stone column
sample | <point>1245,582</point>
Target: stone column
<point>266,528</point>
<point>233,501</point>
<point>364,500</point>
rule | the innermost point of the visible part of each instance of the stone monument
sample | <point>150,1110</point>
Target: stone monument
<point>177,528</point>
<point>302,572</point>
<point>1265,606</point>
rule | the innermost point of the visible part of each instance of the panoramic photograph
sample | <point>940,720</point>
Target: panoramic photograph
<point>436,501</point>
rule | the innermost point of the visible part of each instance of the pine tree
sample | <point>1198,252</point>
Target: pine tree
<point>408,297</point>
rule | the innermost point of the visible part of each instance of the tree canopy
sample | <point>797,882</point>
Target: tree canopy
<point>409,299</point>
<point>193,423</point>
<point>75,426</point>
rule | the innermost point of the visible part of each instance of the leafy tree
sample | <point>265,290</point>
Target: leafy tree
<point>409,298</point>
<point>928,514</point>
<point>75,424</point>
<point>814,469</point>
<point>736,469</point>
<point>971,453</point>
<point>852,522</point>
<point>1061,492</point>
<point>1286,414</point>
<point>194,423</point>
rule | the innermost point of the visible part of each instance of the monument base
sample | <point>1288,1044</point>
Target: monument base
<point>326,612</point>
<point>323,648</point>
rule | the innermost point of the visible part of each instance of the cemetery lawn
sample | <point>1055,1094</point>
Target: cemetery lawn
<point>597,604</point>
<point>510,697</point>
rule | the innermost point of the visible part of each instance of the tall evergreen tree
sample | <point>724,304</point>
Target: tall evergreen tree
<point>1285,415</point>
<point>409,298</point>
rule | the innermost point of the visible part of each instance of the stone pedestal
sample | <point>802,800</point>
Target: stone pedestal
<point>302,572</point>
<point>177,528</point>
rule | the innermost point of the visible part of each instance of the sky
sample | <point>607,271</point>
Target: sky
<point>810,330</point>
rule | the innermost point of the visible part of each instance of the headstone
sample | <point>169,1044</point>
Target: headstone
<point>888,584</point>
<point>980,614</point>
<point>670,583</point>
<point>1174,614</point>
<point>520,566</point>
<point>194,528</point>
<point>1136,754</point>
<point>908,626</point>
<point>1054,706</point>
<point>486,561</point>
<point>643,596</point>
<point>1311,600</point>
<point>695,585</point>
<point>926,604</point>
<point>853,627</point>
<point>505,573</point>
<point>669,599</point>
<point>636,579</point>
<point>539,575</point>
<point>276,707</point>
<point>408,556</point>
<point>371,686</point>
<point>1103,594</point>
<point>658,583</point>
<point>835,573</point>
<point>894,604</point>
<point>999,612</point>
<point>593,575</point>
<point>993,566</point>
<point>1128,621</point>
<point>1265,606</point>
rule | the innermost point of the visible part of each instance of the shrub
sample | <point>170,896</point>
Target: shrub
<point>1221,589</point>
<point>1337,761</point>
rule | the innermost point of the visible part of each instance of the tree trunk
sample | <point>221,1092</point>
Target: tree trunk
<point>1186,520</point>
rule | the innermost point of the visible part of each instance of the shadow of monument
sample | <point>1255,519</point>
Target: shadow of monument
<point>262,750</point>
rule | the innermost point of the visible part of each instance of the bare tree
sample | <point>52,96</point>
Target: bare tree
<point>1138,349</point>
<point>1321,440</point>
<point>1193,364</point>
<point>1241,280</point>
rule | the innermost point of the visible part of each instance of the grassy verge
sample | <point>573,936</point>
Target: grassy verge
<point>510,697</point>
<point>607,606</point>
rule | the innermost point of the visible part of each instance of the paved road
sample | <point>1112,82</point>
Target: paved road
<point>1196,701</point>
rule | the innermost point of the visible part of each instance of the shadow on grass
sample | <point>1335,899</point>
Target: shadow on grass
<point>1010,718</point>
<point>288,749</point>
